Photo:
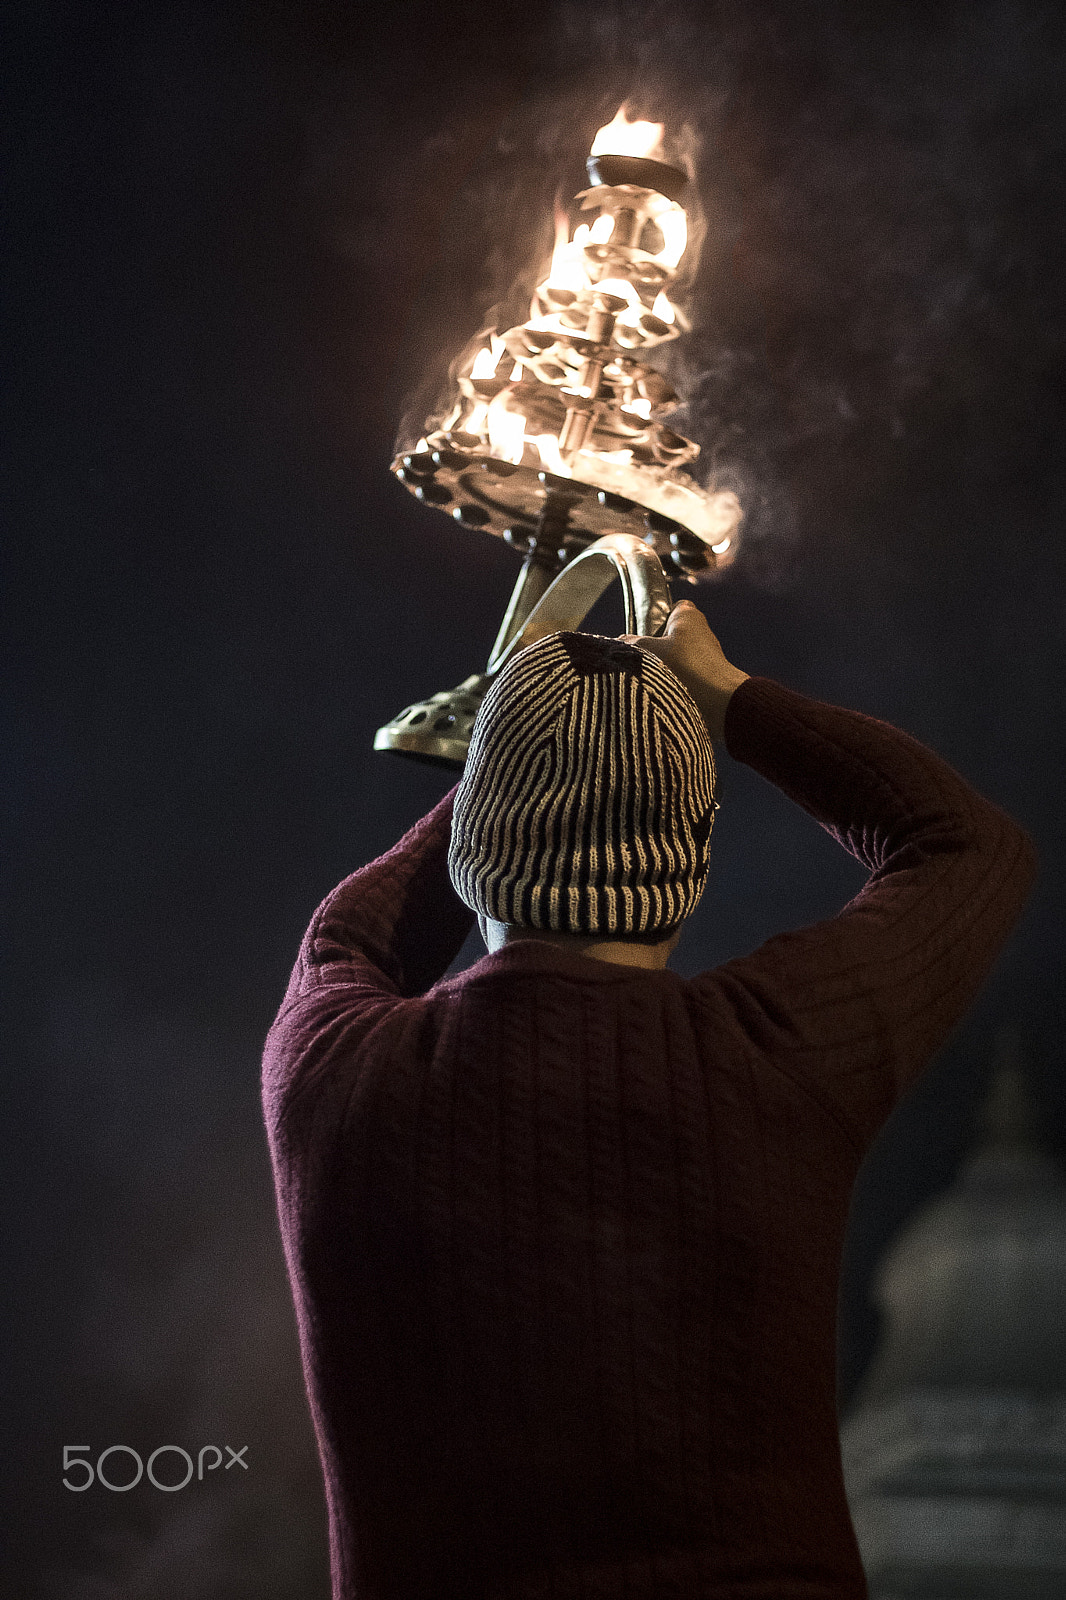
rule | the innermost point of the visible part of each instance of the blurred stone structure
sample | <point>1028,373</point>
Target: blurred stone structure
<point>955,1446</point>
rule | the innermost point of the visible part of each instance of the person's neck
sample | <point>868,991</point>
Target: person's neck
<point>620,952</point>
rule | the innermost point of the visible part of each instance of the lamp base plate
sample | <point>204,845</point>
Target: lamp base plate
<point>436,730</point>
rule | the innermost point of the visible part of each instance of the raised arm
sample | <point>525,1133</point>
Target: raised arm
<point>857,1004</point>
<point>396,924</point>
<point>388,932</point>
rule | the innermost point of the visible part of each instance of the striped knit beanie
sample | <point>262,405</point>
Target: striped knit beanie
<point>588,797</point>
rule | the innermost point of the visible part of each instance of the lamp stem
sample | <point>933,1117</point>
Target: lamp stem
<point>532,582</point>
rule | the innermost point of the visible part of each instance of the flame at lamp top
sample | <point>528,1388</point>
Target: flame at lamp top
<point>553,433</point>
<point>620,137</point>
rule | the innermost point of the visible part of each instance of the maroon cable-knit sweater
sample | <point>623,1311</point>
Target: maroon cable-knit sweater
<point>564,1236</point>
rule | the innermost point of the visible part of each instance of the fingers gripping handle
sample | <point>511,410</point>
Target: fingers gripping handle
<point>567,602</point>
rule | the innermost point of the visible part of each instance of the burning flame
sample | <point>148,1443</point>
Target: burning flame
<point>621,290</point>
<point>486,359</point>
<point>578,357</point>
<point>507,431</point>
<point>673,225</point>
<point>662,308</point>
<point>621,137</point>
<point>547,446</point>
<point>567,270</point>
<point>508,438</point>
<point>569,267</point>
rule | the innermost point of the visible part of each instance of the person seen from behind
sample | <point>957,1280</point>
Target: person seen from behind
<point>564,1229</point>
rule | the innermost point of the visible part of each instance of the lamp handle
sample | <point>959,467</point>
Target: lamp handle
<point>569,599</point>
<point>438,729</point>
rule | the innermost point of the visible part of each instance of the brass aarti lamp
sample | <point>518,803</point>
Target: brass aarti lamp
<point>552,436</point>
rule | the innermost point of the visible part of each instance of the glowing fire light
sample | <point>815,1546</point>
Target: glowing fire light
<point>566,392</point>
<point>547,447</point>
<point>673,225</point>
<point>567,268</point>
<point>485,361</point>
<point>620,137</point>
<point>507,432</point>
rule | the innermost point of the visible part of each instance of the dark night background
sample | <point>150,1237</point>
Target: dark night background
<point>236,237</point>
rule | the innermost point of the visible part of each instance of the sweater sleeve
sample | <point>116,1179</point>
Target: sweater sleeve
<point>856,1005</point>
<point>388,932</point>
